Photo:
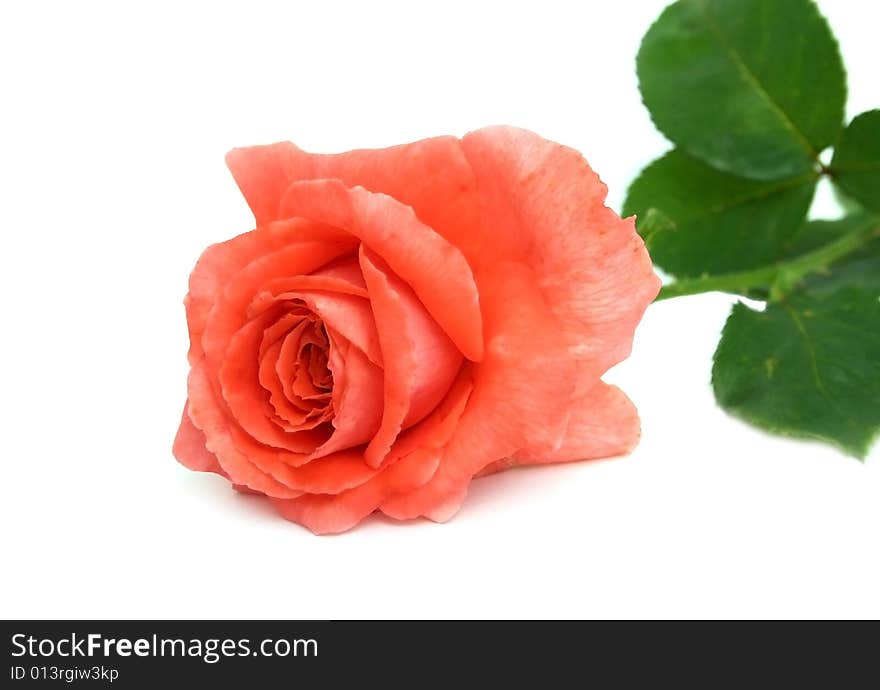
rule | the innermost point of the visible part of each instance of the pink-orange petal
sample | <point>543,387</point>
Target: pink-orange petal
<point>289,417</point>
<point>591,265</point>
<point>522,391</point>
<point>436,270</point>
<point>239,384</point>
<point>603,423</point>
<point>357,398</point>
<point>262,175</point>
<point>279,407</point>
<point>415,460</point>
<point>278,330</point>
<point>349,315</point>
<point>220,262</point>
<point>437,429</point>
<point>347,269</point>
<point>287,363</point>
<point>260,468</point>
<point>421,360</point>
<point>331,514</point>
<point>229,311</point>
<point>276,289</point>
<point>432,176</point>
<point>209,417</point>
<point>189,447</point>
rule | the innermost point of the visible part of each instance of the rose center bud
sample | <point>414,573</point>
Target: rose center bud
<point>294,369</point>
<point>316,359</point>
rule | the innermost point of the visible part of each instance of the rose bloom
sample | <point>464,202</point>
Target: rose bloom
<point>403,320</point>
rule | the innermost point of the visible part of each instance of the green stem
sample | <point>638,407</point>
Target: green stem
<point>780,277</point>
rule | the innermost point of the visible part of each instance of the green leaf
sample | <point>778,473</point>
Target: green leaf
<point>753,87</point>
<point>809,365</point>
<point>806,367</point>
<point>714,222</point>
<point>856,163</point>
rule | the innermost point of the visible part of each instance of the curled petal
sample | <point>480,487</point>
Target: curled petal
<point>421,360</point>
<point>593,267</point>
<point>209,418</point>
<point>325,514</point>
<point>189,447</point>
<point>414,461</point>
<point>347,314</point>
<point>435,431</point>
<point>603,423</point>
<point>220,262</point>
<point>239,380</point>
<point>263,173</point>
<point>432,176</point>
<point>421,257</point>
<point>594,271</point>
<point>357,398</point>
<point>287,367</point>
<point>290,416</point>
<point>274,289</point>
<point>522,391</point>
<point>347,269</point>
<point>260,468</point>
<point>229,311</point>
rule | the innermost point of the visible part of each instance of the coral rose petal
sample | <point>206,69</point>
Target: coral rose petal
<point>278,330</point>
<point>522,392</point>
<point>421,360</point>
<point>603,423</point>
<point>357,398</point>
<point>239,379</point>
<point>276,288</point>
<point>263,173</point>
<point>446,509</point>
<point>289,373</point>
<point>262,469</point>
<point>290,417</point>
<point>415,459</point>
<point>436,270</point>
<point>594,269</point>
<point>432,176</point>
<point>189,447</point>
<point>346,269</point>
<point>437,428</point>
<point>350,316</point>
<point>208,417</point>
<point>326,514</point>
<point>229,310</point>
<point>220,262</point>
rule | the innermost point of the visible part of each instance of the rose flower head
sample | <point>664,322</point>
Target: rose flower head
<point>402,320</point>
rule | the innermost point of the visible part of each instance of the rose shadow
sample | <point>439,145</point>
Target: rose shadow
<point>215,490</point>
<point>486,496</point>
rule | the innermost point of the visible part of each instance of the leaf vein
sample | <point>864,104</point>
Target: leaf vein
<point>811,351</point>
<point>758,195</point>
<point>750,77</point>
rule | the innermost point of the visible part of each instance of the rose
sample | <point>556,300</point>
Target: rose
<point>403,320</point>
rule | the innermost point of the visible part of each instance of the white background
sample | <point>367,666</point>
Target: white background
<point>115,119</point>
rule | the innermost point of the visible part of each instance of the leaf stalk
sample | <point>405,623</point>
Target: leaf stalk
<point>780,278</point>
